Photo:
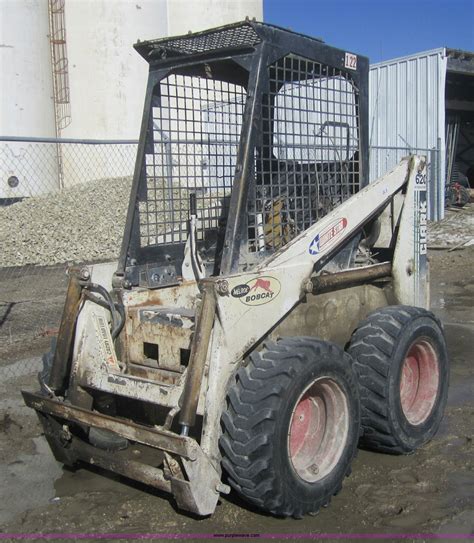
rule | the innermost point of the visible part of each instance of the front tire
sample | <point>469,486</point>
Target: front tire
<point>402,363</point>
<point>291,426</point>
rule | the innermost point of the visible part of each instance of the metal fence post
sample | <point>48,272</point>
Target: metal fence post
<point>432,194</point>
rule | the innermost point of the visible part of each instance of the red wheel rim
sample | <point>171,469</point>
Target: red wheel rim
<point>419,381</point>
<point>318,429</point>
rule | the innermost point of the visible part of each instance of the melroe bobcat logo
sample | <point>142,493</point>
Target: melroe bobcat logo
<point>258,291</point>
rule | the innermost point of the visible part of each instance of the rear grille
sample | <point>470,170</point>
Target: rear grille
<point>234,37</point>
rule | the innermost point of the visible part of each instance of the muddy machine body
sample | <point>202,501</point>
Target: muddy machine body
<point>269,304</point>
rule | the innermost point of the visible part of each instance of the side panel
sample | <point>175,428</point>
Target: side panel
<point>251,304</point>
<point>332,316</point>
<point>410,265</point>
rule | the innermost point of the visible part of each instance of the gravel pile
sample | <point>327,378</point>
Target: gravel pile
<point>84,223</point>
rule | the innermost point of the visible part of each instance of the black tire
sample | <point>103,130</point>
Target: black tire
<point>464,196</point>
<point>401,360</point>
<point>268,460</point>
<point>457,195</point>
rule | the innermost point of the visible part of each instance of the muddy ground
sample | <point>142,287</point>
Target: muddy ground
<point>431,491</point>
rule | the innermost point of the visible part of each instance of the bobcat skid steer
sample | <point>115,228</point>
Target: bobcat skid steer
<point>268,309</point>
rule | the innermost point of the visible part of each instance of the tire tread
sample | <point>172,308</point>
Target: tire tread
<point>252,415</point>
<point>372,346</point>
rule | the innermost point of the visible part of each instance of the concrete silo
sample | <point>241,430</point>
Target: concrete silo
<point>69,70</point>
<point>108,78</point>
<point>27,106</point>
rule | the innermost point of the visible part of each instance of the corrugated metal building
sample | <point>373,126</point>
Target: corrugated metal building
<point>411,99</point>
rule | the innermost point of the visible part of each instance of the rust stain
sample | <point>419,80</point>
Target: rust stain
<point>154,374</point>
<point>158,438</point>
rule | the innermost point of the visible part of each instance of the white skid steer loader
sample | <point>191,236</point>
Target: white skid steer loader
<point>268,311</point>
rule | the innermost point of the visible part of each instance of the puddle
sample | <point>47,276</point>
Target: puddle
<point>28,481</point>
<point>20,368</point>
<point>87,480</point>
<point>460,491</point>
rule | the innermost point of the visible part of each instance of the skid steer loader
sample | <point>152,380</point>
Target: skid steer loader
<point>268,311</point>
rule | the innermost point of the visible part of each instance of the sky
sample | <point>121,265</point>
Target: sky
<point>379,29</point>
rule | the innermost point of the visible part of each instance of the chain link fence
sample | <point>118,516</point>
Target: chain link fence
<point>65,202</point>
<point>383,159</point>
<point>61,202</point>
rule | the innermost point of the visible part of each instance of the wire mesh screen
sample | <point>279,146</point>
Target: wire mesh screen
<point>196,130</point>
<point>238,36</point>
<point>308,161</point>
<point>34,167</point>
<point>61,203</point>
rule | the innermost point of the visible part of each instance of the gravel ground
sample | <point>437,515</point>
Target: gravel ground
<point>81,224</point>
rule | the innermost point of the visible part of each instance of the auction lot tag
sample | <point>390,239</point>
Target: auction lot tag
<point>350,61</point>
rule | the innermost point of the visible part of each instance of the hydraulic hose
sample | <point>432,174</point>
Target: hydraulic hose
<point>116,309</point>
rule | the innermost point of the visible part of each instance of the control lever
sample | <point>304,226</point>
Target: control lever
<point>193,267</point>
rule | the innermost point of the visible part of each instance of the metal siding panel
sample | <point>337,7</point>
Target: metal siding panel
<point>422,121</point>
<point>432,99</point>
<point>406,104</point>
<point>401,98</point>
<point>442,66</point>
<point>392,105</point>
<point>407,96</point>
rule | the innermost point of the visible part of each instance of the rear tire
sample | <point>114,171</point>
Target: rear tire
<point>401,360</point>
<point>291,426</point>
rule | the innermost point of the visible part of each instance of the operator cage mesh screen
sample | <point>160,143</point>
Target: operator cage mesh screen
<point>196,130</point>
<point>308,160</point>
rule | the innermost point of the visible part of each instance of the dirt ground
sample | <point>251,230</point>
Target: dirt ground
<point>431,491</point>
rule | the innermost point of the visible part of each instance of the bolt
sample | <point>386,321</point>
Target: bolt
<point>222,288</point>
<point>222,488</point>
<point>85,274</point>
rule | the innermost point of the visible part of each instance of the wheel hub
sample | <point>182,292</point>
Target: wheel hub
<point>419,382</point>
<point>318,429</point>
